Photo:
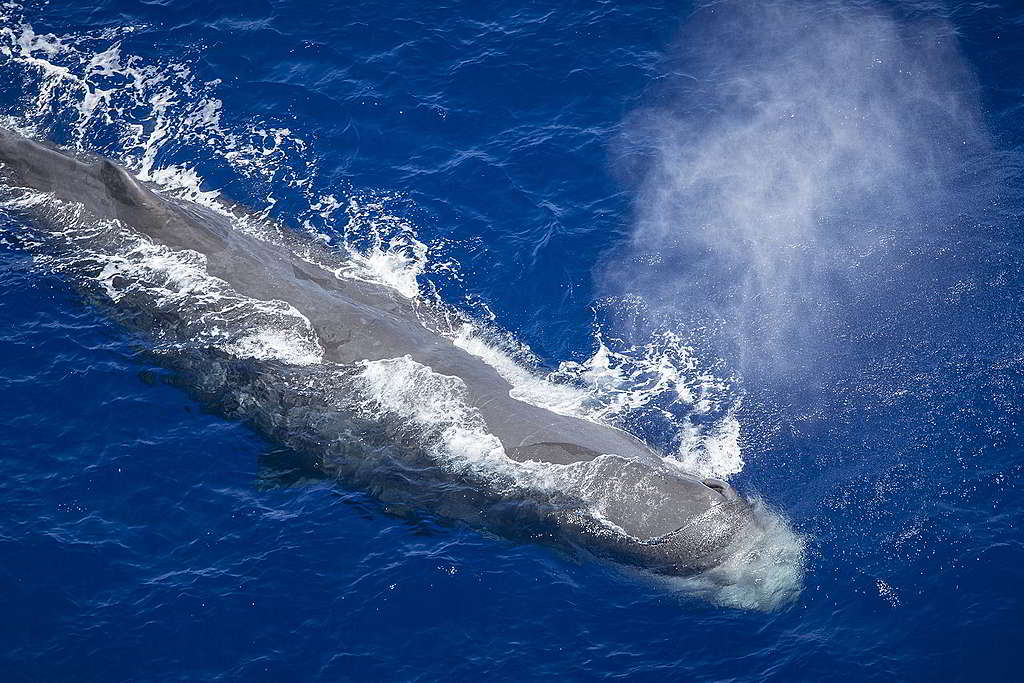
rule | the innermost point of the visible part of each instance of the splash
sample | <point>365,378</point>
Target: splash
<point>656,389</point>
<point>383,247</point>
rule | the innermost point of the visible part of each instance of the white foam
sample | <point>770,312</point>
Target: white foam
<point>435,403</point>
<point>382,247</point>
<point>527,386</point>
<point>713,452</point>
<point>152,108</point>
<point>662,378</point>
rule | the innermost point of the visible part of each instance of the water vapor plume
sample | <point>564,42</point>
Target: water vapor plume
<point>789,151</point>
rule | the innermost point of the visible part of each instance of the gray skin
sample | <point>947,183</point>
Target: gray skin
<point>674,523</point>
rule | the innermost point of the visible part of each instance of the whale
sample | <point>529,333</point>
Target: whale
<point>377,394</point>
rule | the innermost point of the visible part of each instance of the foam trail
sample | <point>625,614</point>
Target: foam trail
<point>793,148</point>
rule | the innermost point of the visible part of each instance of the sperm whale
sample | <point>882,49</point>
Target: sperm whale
<point>382,400</point>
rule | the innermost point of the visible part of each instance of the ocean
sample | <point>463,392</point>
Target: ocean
<point>779,241</point>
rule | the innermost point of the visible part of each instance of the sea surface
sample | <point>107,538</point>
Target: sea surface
<point>781,241</point>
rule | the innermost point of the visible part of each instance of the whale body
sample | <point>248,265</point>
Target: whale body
<point>377,396</point>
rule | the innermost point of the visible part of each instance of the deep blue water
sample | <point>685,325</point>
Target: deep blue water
<point>823,200</point>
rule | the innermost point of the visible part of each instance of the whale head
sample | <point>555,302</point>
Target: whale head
<point>654,516</point>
